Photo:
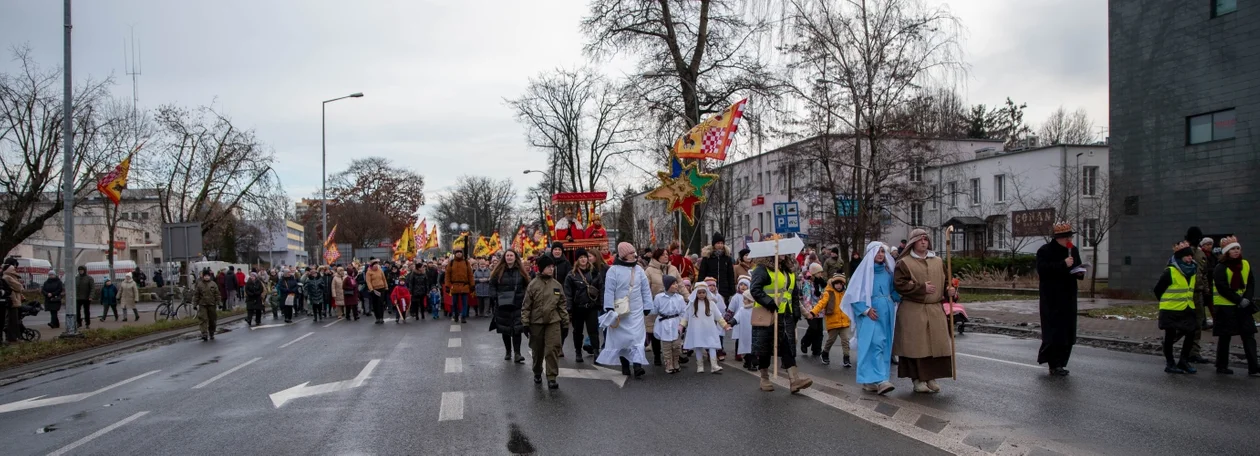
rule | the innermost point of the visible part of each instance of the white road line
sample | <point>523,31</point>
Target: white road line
<point>333,323</point>
<point>1002,361</point>
<point>452,406</point>
<point>294,341</point>
<point>454,342</point>
<point>454,365</point>
<point>106,430</point>
<point>224,374</point>
<point>454,328</point>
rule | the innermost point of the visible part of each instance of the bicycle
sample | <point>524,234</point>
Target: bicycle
<point>169,310</point>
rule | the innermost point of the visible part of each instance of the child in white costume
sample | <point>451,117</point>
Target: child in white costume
<point>670,306</point>
<point>704,323</point>
<point>741,307</point>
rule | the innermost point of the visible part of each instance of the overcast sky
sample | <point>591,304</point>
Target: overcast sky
<point>435,72</point>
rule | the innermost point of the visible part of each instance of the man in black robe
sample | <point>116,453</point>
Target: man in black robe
<point>1055,262</point>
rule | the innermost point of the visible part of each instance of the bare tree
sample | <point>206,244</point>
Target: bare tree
<point>31,149</point>
<point>874,57</point>
<point>486,205</point>
<point>1063,128</point>
<point>358,223</point>
<point>695,57</point>
<point>376,184</point>
<point>206,169</point>
<point>581,120</point>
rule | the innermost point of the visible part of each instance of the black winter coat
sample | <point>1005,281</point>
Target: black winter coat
<point>56,288</point>
<point>1233,320</point>
<point>1181,320</point>
<point>719,265</point>
<point>254,295</point>
<point>563,268</point>
<point>417,284</point>
<point>1058,293</point>
<point>507,313</point>
<point>576,290</point>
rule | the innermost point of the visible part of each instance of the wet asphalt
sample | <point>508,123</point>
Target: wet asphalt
<point>399,408</point>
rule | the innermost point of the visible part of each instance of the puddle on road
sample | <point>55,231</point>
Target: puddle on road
<point>518,443</point>
<point>46,429</point>
<point>77,416</point>
<point>213,360</point>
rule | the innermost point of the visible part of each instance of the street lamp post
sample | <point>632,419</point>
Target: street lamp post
<point>323,173</point>
<point>1081,233</point>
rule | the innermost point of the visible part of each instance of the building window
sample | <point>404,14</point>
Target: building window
<point>1089,232</point>
<point>144,216</point>
<point>999,188</point>
<point>916,171</point>
<point>1089,181</point>
<point>916,214</point>
<point>761,184</point>
<point>936,197</point>
<point>975,192</point>
<point>952,189</point>
<point>761,222</point>
<point>122,216</point>
<point>1213,126</point>
<point>1223,7</point>
<point>997,233</point>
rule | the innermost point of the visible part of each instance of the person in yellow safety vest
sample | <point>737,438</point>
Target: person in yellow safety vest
<point>776,292</point>
<point>1177,317</point>
<point>1234,291</point>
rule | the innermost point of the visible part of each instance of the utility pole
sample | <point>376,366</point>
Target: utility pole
<point>67,183</point>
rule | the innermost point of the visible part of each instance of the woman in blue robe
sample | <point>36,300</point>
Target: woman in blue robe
<point>871,303</point>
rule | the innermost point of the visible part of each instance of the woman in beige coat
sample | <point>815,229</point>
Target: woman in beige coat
<point>338,293</point>
<point>922,338</point>
<point>128,294</point>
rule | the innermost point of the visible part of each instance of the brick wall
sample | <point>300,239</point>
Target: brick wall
<point>1170,59</point>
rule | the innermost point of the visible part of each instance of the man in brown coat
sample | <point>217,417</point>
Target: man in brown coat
<point>922,339</point>
<point>546,315</point>
<point>459,280</point>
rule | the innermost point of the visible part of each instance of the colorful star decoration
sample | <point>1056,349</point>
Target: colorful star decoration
<point>683,188</point>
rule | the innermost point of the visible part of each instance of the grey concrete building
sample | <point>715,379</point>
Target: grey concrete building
<point>1185,95</point>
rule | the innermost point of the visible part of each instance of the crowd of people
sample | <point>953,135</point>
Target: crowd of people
<point>884,306</point>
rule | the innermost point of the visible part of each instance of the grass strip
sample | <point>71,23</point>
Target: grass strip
<point>17,354</point>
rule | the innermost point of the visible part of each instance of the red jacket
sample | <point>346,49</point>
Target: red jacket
<point>684,266</point>
<point>240,279</point>
<point>401,298</point>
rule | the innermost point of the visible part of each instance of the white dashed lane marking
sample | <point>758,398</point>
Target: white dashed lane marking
<point>225,373</point>
<point>294,341</point>
<point>110,428</point>
<point>454,342</point>
<point>454,365</point>
<point>455,328</point>
<point>452,406</point>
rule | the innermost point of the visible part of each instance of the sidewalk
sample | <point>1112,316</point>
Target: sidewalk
<point>1024,314</point>
<point>40,322</point>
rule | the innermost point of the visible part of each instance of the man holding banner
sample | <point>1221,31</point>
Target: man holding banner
<point>774,318</point>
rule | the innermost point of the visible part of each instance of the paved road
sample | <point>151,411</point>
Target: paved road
<point>425,395</point>
<point>1112,403</point>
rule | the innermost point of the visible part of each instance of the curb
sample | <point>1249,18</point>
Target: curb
<point>1110,343</point>
<point>86,356</point>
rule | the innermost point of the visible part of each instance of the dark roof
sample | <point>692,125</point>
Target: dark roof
<point>964,221</point>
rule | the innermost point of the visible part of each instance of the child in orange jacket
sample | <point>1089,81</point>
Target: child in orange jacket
<point>401,298</point>
<point>837,323</point>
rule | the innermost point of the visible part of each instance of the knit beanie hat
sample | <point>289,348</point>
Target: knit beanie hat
<point>625,249</point>
<point>669,281</point>
<point>717,237</point>
<point>1229,243</point>
<point>543,261</point>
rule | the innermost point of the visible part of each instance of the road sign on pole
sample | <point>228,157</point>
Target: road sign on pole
<point>787,217</point>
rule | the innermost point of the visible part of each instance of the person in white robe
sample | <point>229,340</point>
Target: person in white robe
<point>741,332</point>
<point>705,323</point>
<point>625,330</point>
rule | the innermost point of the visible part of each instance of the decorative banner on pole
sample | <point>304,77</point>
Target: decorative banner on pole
<point>112,184</point>
<point>683,192</point>
<point>433,239</point>
<point>331,254</point>
<point>710,138</point>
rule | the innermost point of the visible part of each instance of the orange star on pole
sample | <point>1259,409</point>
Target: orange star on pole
<point>683,192</point>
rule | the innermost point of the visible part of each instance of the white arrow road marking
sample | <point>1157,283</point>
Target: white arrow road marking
<point>454,365</point>
<point>35,402</point>
<point>294,341</point>
<point>106,430</point>
<point>280,397</point>
<point>333,323</point>
<point>598,373</point>
<point>224,374</point>
<point>454,328</point>
<point>452,406</point>
<point>276,325</point>
<point>454,342</point>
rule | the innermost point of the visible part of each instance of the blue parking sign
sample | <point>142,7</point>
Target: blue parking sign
<point>787,217</point>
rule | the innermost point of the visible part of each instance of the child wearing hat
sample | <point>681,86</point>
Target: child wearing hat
<point>741,323</point>
<point>401,298</point>
<point>669,306</point>
<point>837,323</point>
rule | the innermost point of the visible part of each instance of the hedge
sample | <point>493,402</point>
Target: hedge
<point>1019,265</point>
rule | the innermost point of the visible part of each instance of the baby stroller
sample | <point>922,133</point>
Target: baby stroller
<point>959,313</point>
<point>28,334</point>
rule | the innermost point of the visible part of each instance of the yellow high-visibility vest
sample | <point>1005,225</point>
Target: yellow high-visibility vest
<point>1179,295</point>
<point>1229,277</point>
<point>784,284</point>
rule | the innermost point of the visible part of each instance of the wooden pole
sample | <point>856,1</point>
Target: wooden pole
<point>776,309</point>
<point>949,282</point>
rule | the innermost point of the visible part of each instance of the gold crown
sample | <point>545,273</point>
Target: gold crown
<point>1062,227</point>
<point>1181,245</point>
<point>1227,240</point>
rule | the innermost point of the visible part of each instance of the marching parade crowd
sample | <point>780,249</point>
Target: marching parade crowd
<point>887,307</point>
